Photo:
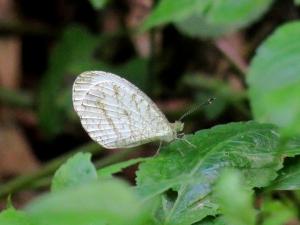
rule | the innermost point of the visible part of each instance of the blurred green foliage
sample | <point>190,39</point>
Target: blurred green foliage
<point>13,217</point>
<point>102,202</point>
<point>207,18</point>
<point>277,213</point>
<point>77,170</point>
<point>98,4</point>
<point>274,80</point>
<point>235,199</point>
<point>72,54</point>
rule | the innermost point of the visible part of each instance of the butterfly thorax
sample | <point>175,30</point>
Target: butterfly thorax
<point>176,127</point>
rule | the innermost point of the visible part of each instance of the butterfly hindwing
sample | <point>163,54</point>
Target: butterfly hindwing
<point>115,113</point>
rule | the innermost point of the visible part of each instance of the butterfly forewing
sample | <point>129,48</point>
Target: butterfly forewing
<point>115,113</point>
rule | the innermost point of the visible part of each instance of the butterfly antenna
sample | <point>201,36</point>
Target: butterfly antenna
<point>196,107</point>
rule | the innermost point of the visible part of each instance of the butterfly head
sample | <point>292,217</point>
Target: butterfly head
<point>178,126</point>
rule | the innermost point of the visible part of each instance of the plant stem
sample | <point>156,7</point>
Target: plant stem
<point>15,98</point>
<point>26,28</point>
<point>41,178</point>
<point>114,158</point>
<point>24,181</point>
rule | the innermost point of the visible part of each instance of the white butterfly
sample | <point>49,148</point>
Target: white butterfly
<point>116,114</point>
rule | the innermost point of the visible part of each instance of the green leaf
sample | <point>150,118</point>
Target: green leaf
<point>98,4</point>
<point>208,18</point>
<point>297,2</point>
<point>274,80</point>
<point>118,167</point>
<point>277,213</point>
<point>185,174</point>
<point>289,177</point>
<point>14,217</point>
<point>76,171</point>
<point>236,13</point>
<point>237,210</point>
<point>212,221</point>
<point>108,202</point>
<point>169,11</point>
<point>197,25</point>
<point>224,16</point>
<point>291,146</point>
<point>67,53</point>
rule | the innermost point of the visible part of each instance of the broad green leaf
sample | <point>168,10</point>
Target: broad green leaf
<point>66,53</point>
<point>98,4</point>
<point>118,167</point>
<point>235,199</point>
<point>100,203</point>
<point>277,213</point>
<point>76,171</point>
<point>274,80</point>
<point>223,16</point>
<point>14,217</point>
<point>190,172</point>
<point>236,13</point>
<point>208,18</point>
<point>297,2</point>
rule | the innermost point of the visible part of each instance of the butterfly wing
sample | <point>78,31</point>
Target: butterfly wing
<point>115,113</point>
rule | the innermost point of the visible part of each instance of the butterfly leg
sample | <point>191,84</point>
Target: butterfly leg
<point>181,153</point>
<point>186,141</point>
<point>158,150</point>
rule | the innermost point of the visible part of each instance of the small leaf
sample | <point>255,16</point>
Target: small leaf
<point>274,80</point>
<point>64,56</point>
<point>277,213</point>
<point>289,177</point>
<point>108,202</point>
<point>118,167</point>
<point>14,217</point>
<point>235,199</point>
<point>98,4</point>
<point>291,146</point>
<point>76,171</point>
<point>189,173</point>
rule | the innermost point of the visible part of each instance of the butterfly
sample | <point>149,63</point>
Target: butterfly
<point>117,114</point>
